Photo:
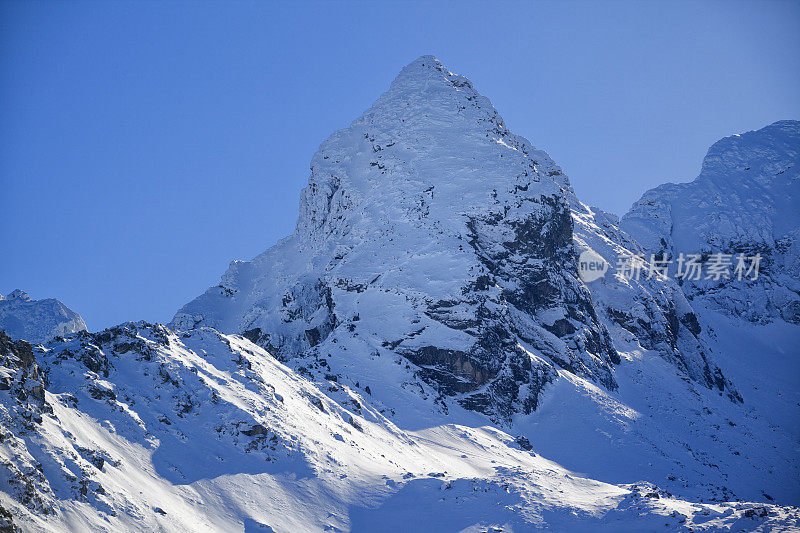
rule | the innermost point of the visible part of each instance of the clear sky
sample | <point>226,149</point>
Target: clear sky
<point>145,145</point>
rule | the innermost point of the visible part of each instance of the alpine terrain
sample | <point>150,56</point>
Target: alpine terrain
<point>421,354</point>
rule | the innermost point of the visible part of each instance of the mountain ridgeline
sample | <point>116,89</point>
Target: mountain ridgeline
<point>746,200</point>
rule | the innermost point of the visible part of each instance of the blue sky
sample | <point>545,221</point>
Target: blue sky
<point>145,145</point>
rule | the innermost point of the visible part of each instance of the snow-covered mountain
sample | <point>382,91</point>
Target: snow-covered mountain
<point>427,231</point>
<point>435,255</point>
<point>430,232</point>
<point>746,200</point>
<point>37,320</point>
<point>424,341</point>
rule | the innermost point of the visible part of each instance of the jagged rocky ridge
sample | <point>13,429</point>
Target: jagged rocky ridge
<point>22,386</point>
<point>746,200</point>
<point>37,320</point>
<point>429,231</point>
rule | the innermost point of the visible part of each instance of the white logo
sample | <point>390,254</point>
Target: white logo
<point>591,266</point>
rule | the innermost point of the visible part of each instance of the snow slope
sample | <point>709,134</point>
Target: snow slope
<point>141,429</point>
<point>37,320</point>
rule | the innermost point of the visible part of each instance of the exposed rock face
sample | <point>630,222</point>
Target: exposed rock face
<point>430,231</point>
<point>21,375</point>
<point>746,200</point>
<point>37,320</point>
<point>22,405</point>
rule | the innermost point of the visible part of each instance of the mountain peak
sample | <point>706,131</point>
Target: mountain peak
<point>744,201</point>
<point>423,66</point>
<point>19,294</point>
<point>425,75</point>
<point>426,84</point>
<point>431,128</point>
<point>426,61</point>
<point>767,150</point>
<point>22,317</point>
<point>429,210</point>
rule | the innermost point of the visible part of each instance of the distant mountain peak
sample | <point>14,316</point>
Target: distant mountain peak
<point>37,320</point>
<point>755,151</point>
<point>19,294</point>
